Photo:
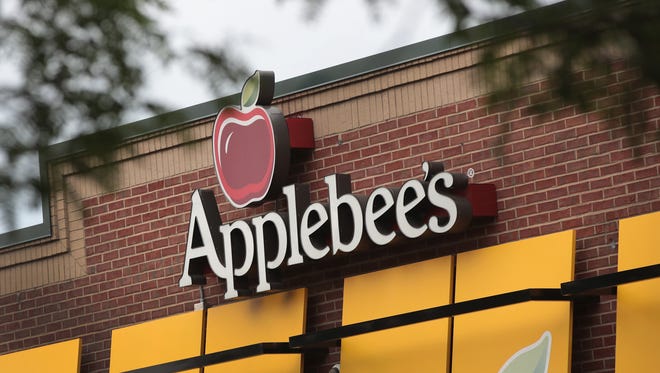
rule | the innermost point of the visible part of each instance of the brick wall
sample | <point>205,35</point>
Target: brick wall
<point>557,171</point>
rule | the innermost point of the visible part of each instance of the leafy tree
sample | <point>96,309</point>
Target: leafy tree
<point>78,64</point>
<point>568,38</point>
<point>78,70</point>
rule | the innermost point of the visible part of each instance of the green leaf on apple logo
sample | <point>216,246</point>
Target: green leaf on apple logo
<point>534,358</point>
<point>250,92</point>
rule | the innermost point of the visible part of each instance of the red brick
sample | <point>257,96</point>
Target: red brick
<point>445,110</point>
<point>407,120</point>
<point>427,115</point>
<point>461,117</point>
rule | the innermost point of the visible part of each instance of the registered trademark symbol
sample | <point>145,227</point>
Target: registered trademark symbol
<point>470,172</point>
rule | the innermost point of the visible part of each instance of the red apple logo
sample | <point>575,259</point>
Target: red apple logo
<point>251,148</point>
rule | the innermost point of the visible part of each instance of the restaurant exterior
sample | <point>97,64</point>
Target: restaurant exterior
<point>376,216</point>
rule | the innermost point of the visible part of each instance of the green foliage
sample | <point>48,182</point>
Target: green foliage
<point>575,45</point>
<point>79,67</point>
<point>79,71</point>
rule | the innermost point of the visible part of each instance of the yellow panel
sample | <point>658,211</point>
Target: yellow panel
<point>540,262</point>
<point>156,342</point>
<point>638,304</point>
<point>420,347</point>
<point>639,241</point>
<point>485,340</point>
<point>526,334</point>
<point>273,318</point>
<point>63,357</point>
<point>260,364</point>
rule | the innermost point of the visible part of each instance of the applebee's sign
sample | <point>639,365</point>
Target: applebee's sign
<point>306,231</point>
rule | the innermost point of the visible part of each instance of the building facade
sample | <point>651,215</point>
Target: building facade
<point>115,255</point>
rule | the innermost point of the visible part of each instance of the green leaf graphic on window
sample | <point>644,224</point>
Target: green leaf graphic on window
<point>531,359</point>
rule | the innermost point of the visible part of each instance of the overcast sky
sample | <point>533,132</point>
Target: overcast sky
<point>280,36</point>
